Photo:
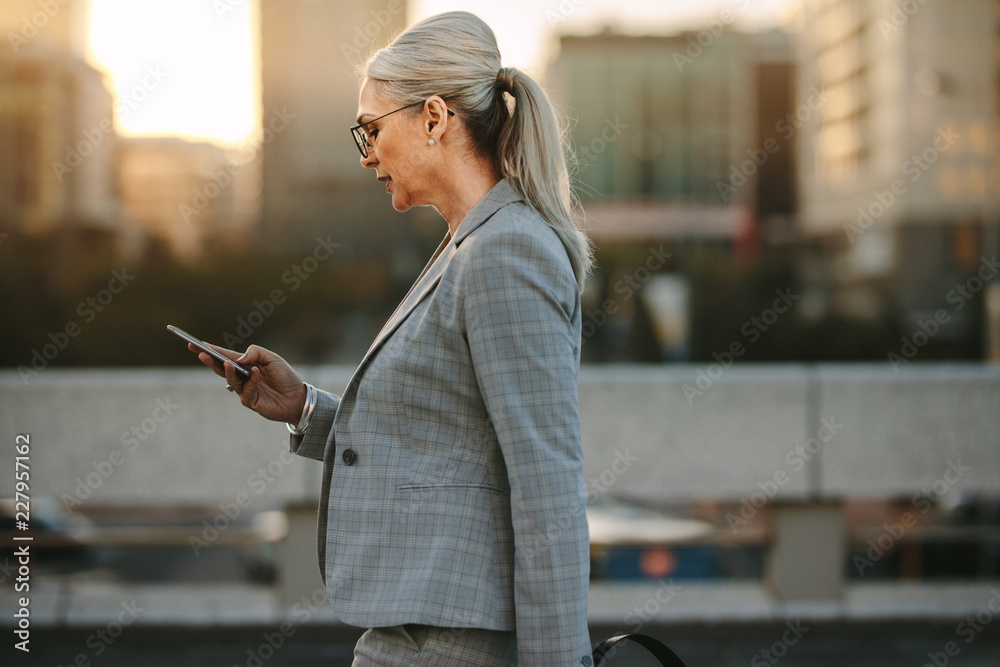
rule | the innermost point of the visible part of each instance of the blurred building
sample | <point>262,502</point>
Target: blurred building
<point>678,135</point>
<point>681,140</point>
<point>186,192</point>
<point>312,179</point>
<point>313,185</point>
<point>57,166</point>
<point>899,166</point>
<point>31,25</point>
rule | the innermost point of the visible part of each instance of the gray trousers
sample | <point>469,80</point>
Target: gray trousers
<point>429,646</point>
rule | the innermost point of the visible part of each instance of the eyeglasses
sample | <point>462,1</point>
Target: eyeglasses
<point>361,136</point>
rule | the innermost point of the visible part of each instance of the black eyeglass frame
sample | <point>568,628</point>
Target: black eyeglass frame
<point>361,139</point>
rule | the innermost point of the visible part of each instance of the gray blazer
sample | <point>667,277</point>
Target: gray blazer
<point>453,491</point>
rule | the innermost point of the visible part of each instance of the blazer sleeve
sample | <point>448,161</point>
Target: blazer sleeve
<point>521,310</point>
<point>312,444</point>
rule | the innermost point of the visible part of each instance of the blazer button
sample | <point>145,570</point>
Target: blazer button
<point>349,457</point>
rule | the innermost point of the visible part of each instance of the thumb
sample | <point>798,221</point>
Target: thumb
<point>253,355</point>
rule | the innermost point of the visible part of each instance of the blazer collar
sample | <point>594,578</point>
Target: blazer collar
<point>499,196</point>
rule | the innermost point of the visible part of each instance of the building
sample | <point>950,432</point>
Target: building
<point>663,127</point>
<point>186,192</point>
<point>57,168</point>
<point>313,185</point>
<point>34,25</point>
<point>899,166</point>
<point>312,178</point>
<point>680,140</point>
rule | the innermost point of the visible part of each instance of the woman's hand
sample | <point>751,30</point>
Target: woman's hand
<point>274,390</point>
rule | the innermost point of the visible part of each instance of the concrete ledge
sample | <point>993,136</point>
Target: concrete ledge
<point>150,436</point>
<point>805,431</point>
<point>717,443</point>
<point>922,429</point>
<point>749,602</point>
<point>626,606</point>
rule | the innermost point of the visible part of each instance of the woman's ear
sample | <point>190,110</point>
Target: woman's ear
<point>436,114</point>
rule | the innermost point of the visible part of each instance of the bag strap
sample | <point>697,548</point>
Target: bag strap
<point>659,650</point>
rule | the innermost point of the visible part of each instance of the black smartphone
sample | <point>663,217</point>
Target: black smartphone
<point>205,348</point>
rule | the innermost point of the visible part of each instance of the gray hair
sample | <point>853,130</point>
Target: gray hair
<point>455,55</point>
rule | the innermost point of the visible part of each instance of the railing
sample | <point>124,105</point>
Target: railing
<point>798,438</point>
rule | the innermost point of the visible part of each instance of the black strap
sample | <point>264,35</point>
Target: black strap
<point>659,650</point>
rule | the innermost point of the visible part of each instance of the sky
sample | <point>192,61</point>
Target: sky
<point>184,67</point>
<point>162,54</point>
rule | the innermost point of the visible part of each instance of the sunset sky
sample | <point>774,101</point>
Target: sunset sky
<point>165,54</point>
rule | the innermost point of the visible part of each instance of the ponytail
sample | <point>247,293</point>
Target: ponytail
<point>530,154</point>
<point>455,55</point>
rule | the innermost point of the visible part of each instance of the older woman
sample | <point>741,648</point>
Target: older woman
<point>452,521</point>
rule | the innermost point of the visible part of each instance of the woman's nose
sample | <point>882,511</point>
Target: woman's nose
<point>370,161</point>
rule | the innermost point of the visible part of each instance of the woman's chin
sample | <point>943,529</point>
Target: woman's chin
<point>401,204</point>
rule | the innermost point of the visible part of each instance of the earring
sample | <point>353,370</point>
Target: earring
<point>430,142</point>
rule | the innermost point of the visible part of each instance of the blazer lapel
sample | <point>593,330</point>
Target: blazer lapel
<point>423,286</point>
<point>501,195</point>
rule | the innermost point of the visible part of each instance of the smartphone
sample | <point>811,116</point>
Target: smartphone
<point>205,348</point>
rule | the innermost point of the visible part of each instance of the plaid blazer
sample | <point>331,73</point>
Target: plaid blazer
<point>453,491</point>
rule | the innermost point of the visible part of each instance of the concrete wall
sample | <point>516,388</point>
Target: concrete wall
<point>147,436</point>
<point>816,432</point>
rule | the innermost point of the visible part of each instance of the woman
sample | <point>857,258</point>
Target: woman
<point>452,519</point>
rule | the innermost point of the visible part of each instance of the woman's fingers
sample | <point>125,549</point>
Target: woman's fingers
<point>215,364</point>
<point>276,396</point>
<point>209,360</point>
<point>234,379</point>
<point>245,388</point>
<point>224,351</point>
